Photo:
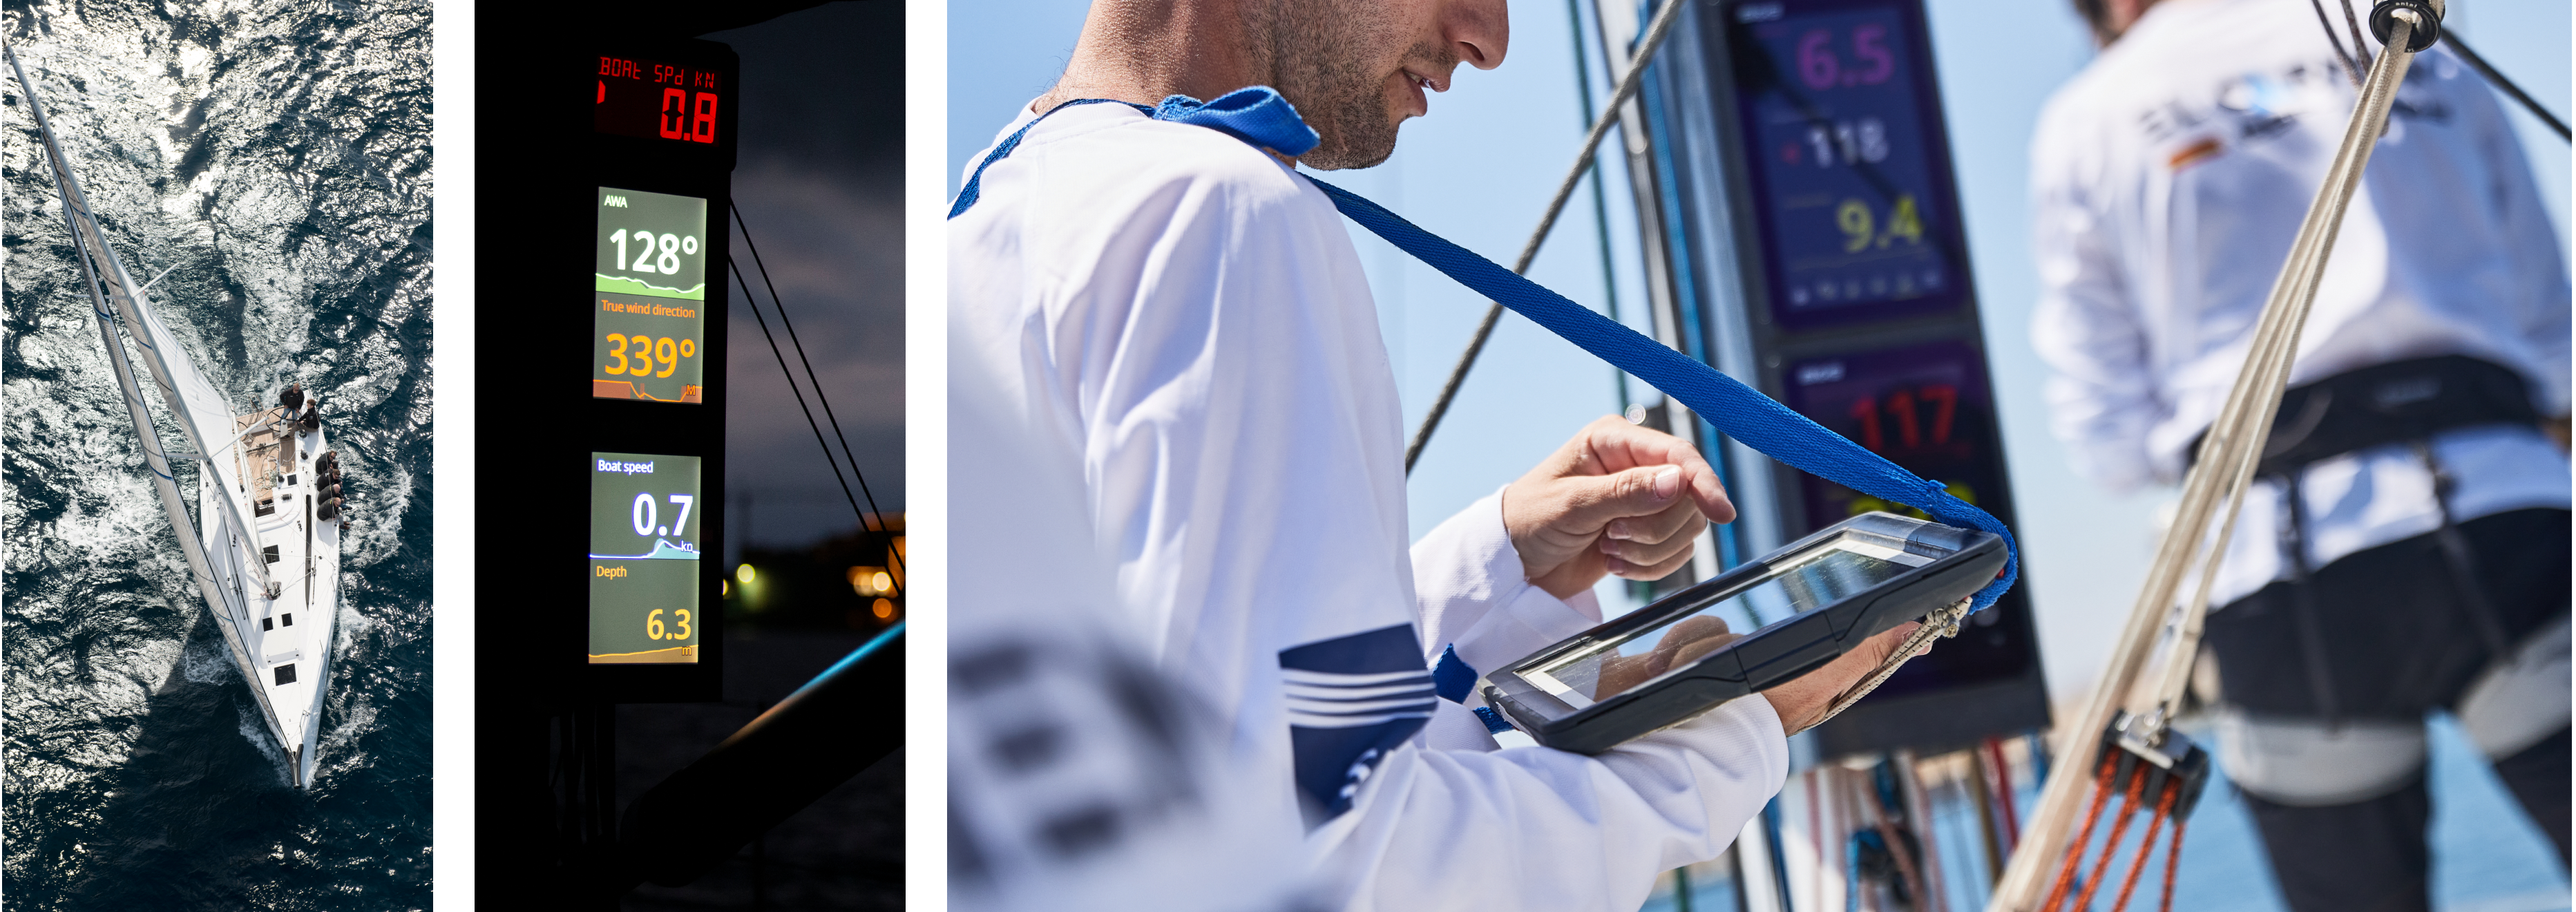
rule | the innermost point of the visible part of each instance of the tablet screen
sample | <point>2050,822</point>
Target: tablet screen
<point>1823,575</point>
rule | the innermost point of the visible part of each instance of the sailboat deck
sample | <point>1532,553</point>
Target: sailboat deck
<point>261,462</point>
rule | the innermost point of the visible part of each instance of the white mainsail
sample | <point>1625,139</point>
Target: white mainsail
<point>228,552</point>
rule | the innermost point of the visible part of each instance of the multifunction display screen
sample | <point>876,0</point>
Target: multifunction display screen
<point>644,534</point>
<point>1929,409</point>
<point>1850,179</point>
<point>649,285</point>
<point>650,99</point>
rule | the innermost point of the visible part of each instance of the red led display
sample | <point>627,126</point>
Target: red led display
<point>653,100</point>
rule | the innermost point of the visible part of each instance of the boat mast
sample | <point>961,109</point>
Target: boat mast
<point>154,457</point>
<point>106,279</point>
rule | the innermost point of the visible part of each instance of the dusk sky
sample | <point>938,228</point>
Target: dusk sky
<point>819,181</point>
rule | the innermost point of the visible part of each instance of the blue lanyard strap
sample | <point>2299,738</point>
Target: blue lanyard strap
<point>1255,115</point>
<point>1738,410</point>
<point>1258,115</point>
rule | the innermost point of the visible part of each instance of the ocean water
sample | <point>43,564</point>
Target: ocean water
<point>278,156</point>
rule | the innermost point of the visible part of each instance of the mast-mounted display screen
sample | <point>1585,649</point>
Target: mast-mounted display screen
<point>645,527</point>
<point>650,99</point>
<point>1848,162</point>
<point>649,285</point>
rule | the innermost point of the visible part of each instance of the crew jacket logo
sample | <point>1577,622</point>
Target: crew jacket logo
<point>1351,701</point>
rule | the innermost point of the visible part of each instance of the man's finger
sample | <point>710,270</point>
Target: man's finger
<point>1619,446</point>
<point>1594,502</point>
<point>1657,528</point>
<point>1647,554</point>
<point>1875,650</point>
<point>1626,570</point>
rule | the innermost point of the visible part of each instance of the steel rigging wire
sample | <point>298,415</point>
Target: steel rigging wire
<point>892,556</point>
<point>2480,64</point>
<point>1662,23</point>
<point>2353,69</point>
<point>1600,205</point>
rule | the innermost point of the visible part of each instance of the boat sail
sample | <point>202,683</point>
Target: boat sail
<point>264,549</point>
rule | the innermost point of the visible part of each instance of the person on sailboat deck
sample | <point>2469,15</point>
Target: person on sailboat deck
<point>2404,547</point>
<point>1183,320</point>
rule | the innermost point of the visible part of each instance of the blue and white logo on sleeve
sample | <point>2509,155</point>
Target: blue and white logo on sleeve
<point>1351,701</point>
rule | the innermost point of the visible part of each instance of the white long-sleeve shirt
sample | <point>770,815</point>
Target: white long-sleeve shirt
<point>1184,320</point>
<point>2169,179</point>
<point>1080,779</point>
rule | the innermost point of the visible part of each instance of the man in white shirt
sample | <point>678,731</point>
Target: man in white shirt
<point>2406,546</point>
<point>1182,319</point>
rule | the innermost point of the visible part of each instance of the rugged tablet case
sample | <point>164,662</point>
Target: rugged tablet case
<point>1769,656</point>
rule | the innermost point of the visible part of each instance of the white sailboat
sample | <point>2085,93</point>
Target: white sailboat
<point>264,549</point>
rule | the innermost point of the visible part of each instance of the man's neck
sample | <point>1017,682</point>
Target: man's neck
<point>1143,50</point>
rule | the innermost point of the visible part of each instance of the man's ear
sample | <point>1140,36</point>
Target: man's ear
<point>2097,15</point>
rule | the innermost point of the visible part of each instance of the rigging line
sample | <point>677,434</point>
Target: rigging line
<point>754,304</point>
<point>147,286</point>
<point>1663,23</point>
<point>2497,79</point>
<point>2360,51</point>
<point>2351,70</point>
<point>781,306</point>
<point>1600,206</point>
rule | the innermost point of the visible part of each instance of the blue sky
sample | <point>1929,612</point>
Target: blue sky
<point>1480,168</point>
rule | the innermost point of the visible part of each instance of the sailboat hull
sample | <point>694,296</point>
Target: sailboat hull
<point>282,645</point>
<point>264,557</point>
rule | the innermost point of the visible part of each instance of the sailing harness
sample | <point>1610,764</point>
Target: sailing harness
<point>1261,117</point>
<point>2403,403</point>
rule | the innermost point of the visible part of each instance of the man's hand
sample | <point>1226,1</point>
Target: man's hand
<point>1802,702</point>
<point>1617,499</point>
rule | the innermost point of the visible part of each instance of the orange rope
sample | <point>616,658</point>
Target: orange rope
<point>2173,862</point>
<point>2119,827</point>
<point>2147,846</point>
<point>2083,838</point>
